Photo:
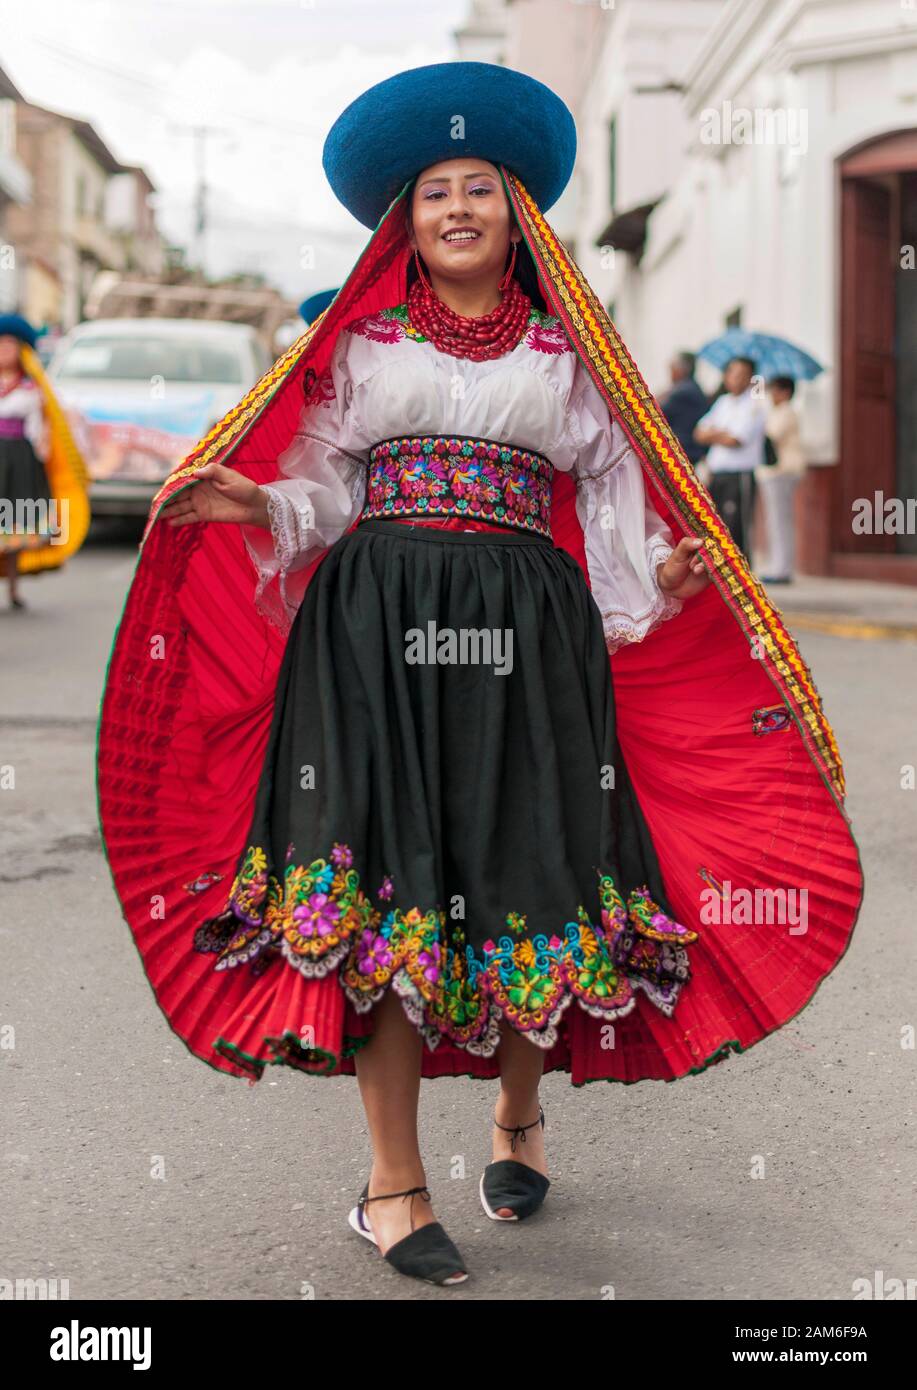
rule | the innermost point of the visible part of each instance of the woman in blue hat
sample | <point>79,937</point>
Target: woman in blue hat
<point>43,507</point>
<point>23,448</point>
<point>402,815</point>
<point>315,304</point>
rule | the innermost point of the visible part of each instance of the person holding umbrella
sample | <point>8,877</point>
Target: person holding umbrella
<point>782,364</point>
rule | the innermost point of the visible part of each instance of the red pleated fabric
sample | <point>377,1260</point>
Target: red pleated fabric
<point>185,716</point>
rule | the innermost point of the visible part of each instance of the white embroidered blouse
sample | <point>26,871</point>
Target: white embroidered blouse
<point>386,381</point>
<point>24,403</point>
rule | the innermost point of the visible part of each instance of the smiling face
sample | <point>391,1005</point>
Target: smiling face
<point>9,352</point>
<point>460,220</point>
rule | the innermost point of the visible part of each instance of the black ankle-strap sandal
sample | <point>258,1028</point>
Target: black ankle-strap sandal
<point>506,1183</point>
<point>426,1253</point>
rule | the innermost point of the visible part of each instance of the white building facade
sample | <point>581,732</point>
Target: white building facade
<point>769,151</point>
<point>753,162</point>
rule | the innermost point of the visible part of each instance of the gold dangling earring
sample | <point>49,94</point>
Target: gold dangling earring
<point>420,275</point>
<point>504,283</point>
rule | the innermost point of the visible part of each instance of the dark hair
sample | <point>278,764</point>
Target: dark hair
<point>525,271</point>
<point>784,383</point>
<point>748,362</point>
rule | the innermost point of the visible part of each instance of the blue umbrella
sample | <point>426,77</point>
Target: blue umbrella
<point>771,356</point>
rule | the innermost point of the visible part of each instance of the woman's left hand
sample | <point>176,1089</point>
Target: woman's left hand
<point>683,574</point>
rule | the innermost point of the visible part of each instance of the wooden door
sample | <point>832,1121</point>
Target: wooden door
<point>868,430</point>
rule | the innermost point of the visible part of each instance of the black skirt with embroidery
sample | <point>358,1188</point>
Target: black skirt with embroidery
<point>444,810</point>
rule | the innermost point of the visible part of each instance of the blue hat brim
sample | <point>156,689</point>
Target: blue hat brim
<point>316,304</point>
<point>448,111</point>
<point>18,327</point>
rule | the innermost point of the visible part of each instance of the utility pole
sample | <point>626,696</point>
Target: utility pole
<point>199,133</point>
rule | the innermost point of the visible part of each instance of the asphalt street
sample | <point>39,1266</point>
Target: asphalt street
<point>131,1169</point>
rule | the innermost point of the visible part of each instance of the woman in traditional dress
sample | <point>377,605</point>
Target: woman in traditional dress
<point>401,816</point>
<point>44,511</point>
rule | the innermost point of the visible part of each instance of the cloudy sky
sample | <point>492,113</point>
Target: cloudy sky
<point>269,75</point>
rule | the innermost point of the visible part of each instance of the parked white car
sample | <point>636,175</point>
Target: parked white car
<point>141,393</point>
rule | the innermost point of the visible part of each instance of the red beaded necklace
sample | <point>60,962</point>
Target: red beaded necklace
<point>478,339</point>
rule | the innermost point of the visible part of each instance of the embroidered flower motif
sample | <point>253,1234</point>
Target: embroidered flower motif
<point>373,954</point>
<point>544,337</point>
<point>322,878</point>
<point>378,328</point>
<point>442,476</point>
<point>428,962</point>
<point>399,314</point>
<point>654,921</point>
<point>318,919</point>
<point>544,332</point>
<point>324,393</point>
<point>529,992</point>
<point>318,916</point>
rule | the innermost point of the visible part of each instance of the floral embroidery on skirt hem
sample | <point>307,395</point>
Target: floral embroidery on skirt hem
<point>318,920</point>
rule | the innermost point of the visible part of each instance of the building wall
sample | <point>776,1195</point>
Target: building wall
<point>130,216</point>
<point>33,226</point>
<point>66,225</point>
<point>42,292</point>
<point>15,190</point>
<point>557,44</point>
<point>645,44</point>
<point>756,225</point>
<point>736,227</point>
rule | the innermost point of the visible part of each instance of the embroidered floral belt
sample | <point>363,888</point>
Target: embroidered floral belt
<point>12,427</point>
<point>440,475</point>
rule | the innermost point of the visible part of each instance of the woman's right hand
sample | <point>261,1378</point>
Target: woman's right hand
<point>221,495</point>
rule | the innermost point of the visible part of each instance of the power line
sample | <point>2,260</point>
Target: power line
<point>136,79</point>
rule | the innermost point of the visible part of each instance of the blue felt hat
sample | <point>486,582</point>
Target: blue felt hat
<point>18,327</point>
<point>316,304</point>
<point>448,111</point>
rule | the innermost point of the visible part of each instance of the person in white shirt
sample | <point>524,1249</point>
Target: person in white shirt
<point>778,481</point>
<point>733,430</point>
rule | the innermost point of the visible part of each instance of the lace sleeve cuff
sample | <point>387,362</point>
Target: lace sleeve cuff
<point>300,529</point>
<point>622,628</point>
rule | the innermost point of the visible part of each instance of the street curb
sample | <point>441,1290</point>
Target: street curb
<point>849,625</point>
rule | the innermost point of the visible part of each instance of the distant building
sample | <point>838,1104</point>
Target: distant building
<point>756,163</point>
<point>88,213</point>
<point>130,215</point>
<point>15,191</point>
<point>64,226</point>
<point>481,38</point>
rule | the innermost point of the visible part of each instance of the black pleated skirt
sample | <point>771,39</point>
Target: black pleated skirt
<point>22,480</point>
<point>443,806</point>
